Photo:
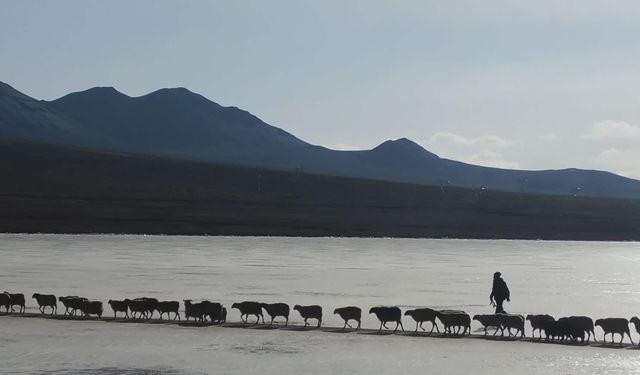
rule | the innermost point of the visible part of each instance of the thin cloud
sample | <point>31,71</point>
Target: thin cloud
<point>459,140</point>
<point>486,150</point>
<point>622,162</point>
<point>613,129</point>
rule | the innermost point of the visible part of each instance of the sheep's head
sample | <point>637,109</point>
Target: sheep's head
<point>634,320</point>
<point>35,295</point>
<point>235,305</point>
<point>409,312</point>
<point>476,317</point>
<point>297,307</point>
<point>599,322</point>
<point>374,310</point>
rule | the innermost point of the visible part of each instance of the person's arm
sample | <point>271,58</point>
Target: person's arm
<point>508,292</point>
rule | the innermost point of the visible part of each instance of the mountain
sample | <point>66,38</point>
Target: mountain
<point>179,123</point>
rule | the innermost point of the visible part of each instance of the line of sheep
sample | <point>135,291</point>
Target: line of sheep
<point>455,322</point>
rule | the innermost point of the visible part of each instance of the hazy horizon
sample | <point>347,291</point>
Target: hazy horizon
<point>544,85</point>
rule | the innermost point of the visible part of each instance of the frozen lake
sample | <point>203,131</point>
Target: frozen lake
<point>559,278</point>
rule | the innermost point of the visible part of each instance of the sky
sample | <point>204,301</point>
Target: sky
<point>517,84</point>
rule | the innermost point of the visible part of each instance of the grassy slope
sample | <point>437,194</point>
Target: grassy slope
<point>53,189</point>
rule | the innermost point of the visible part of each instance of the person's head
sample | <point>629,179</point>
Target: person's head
<point>497,275</point>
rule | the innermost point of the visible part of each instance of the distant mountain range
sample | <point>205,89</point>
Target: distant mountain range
<point>182,124</point>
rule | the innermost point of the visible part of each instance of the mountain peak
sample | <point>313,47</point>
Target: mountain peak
<point>403,146</point>
<point>176,95</point>
<point>98,93</point>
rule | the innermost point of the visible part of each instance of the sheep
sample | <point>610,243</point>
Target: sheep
<point>613,326</point>
<point>277,309</point>
<point>423,315</point>
<point>119,306</point>
<point>636,323</point>
<point>71,304</point>
<point>349,313</point>
<point>150,305</point>
<point>509,321</point>
<point>455,319</point>
<point>388,314</point>
<point>143,307</point>
<point>249,308</point>
<point>91,308</point>
<point>5,301</point>
<point>214,310</point>
<point>536,323</point>
<point>574,328</point>
<point>583,323</point>
<point>560,329</point>
<point>310,312</point>
<point>168,307</point>
<point>138,308</point>
<point>489,320</point>
<point>46,300</point>
<point>16,299</point>
<point>193,310</point>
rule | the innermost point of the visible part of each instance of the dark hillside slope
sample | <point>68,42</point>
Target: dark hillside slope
<point>62,190</point>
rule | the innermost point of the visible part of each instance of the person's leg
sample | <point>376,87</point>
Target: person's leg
<point>499,308</point>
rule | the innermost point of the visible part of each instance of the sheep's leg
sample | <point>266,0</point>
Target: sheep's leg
<point>397,324</point>
<point>286,322</point>
<point>380,329</point>
<point>305,322</point>
<point>319,322</point>
<point>385,325</point>
<point>401,326</point>
<point>629,334</point>
<point>358,327</point>
<point>417,327</point>
<point>421,327</point>
<point>594,336</point>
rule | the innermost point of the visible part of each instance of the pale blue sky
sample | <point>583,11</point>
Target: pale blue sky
<point>538,84</point>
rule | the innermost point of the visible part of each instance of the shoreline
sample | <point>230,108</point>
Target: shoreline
<point>356,237</point>
<point>293,327</point>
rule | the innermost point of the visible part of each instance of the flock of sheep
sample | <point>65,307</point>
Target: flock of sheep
<point>455,322</point>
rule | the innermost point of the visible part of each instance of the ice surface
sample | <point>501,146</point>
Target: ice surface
<point>560,278</point>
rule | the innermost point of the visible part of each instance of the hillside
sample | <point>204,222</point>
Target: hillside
<point>179,123</point>
<point>56,189</point>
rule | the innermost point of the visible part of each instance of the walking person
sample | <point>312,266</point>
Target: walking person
<point>499,293</point>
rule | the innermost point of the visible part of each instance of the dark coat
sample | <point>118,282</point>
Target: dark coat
<point>500,290</point>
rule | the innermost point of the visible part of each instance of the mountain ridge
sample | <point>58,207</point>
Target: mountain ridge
<point>180,123</point>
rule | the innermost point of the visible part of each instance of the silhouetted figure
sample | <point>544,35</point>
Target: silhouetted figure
<point>499,293</point>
